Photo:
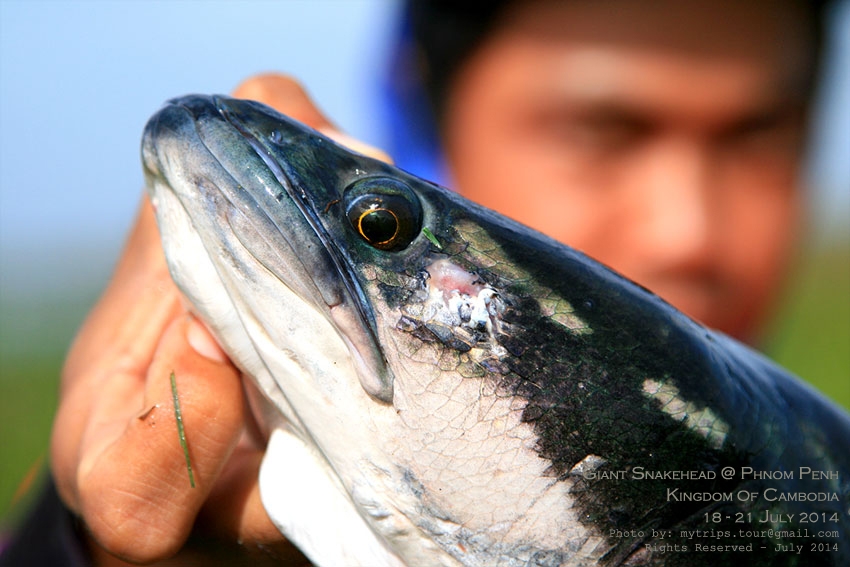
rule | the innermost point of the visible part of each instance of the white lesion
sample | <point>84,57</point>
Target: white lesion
<point>587,465</point>
<point>458,301</point>
<point>483,251</point>
<point>475,311</point>
<point>701,420</point>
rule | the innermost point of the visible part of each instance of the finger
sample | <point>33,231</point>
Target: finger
<point>135,493</point>
<point>286,95</point>
<point>118,338</point>
<point>357,145</point>
<point>234,509</point>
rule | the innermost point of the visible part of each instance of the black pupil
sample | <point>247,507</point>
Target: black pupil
<point>378,226</point>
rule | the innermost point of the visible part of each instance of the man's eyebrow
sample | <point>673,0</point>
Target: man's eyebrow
<point>601,110</point>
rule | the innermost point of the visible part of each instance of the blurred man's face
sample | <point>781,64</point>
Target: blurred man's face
<point>661,137</point>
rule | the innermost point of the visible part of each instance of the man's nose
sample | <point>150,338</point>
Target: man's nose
<point>677,204</point>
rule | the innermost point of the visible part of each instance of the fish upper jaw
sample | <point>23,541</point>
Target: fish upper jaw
<point>197,147</point>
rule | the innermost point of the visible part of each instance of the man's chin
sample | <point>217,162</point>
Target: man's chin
<point>708,304</point>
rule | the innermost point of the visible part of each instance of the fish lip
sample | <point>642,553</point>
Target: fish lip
<point>351,322</point>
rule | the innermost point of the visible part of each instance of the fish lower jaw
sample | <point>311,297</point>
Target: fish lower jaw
<point>308,504</point>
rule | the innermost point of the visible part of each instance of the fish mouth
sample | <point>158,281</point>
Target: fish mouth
<point>268,210</point>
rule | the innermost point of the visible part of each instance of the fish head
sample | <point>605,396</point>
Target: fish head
<point>373,311</point>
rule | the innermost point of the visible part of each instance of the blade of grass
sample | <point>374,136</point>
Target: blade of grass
<point>431,238</point>
<point>180,431</point>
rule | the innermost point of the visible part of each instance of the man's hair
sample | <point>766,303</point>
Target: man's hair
<point>446,32</point>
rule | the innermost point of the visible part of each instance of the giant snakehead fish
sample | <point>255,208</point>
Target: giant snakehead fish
<point>444,386</point>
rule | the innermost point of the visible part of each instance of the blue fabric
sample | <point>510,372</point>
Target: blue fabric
<point>413,138</point>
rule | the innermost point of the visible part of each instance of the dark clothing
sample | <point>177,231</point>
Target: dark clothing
<point>49,536</point>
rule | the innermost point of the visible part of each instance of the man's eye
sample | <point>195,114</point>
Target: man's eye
<point>598,131</point>
<point>609,133</point>
<point>768,131</point>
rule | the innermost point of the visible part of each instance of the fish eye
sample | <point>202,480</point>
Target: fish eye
<point>384,212</point>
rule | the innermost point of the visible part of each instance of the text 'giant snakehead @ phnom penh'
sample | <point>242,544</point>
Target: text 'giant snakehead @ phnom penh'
<point>443,386</point>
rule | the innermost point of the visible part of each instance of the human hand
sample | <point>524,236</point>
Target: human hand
<point>116,457</point>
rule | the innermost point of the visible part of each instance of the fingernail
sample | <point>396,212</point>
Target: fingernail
<point>203,343</point>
